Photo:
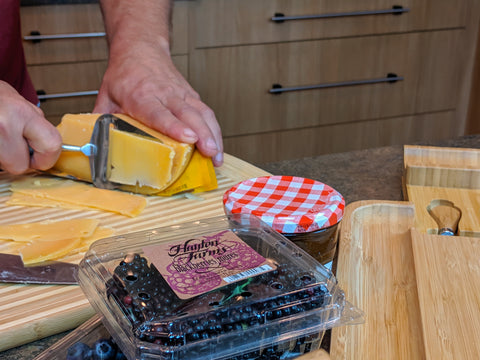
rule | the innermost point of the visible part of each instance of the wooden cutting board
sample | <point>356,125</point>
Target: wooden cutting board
<point>31,312</point>
<point>420,291</point>
<point>376,270</point>
<point>447,267</point>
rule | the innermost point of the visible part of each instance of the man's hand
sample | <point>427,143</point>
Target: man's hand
<point>141,80</point>
<point>23,125</point>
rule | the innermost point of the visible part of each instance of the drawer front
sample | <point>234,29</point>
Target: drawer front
<point>67,84</point>
<point>235,81</point>
<point>73,33</point>
<point>233,22</point>
<point>83,22</point>
<point>64,81</point>
<point>294,144</point>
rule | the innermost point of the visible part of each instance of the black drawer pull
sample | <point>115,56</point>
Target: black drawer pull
<point>36,36</point>
<point>390,78</point>
<point>43,96</point>
<point>395,10</point>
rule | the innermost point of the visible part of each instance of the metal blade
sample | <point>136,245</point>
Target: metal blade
<point>12,270</point>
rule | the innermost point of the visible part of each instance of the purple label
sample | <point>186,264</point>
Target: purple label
<point>198,265</point>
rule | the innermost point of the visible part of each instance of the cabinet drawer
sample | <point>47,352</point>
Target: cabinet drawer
<point>294,144</point>
<point>64,81</point>
<point>67,83</point>
<point>235,81</point>
<point>233,22</point>
<point>84,21</point>
<point>76,32</point>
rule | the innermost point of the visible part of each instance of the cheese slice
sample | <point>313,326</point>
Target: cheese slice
<point>39,251</point>
<point>199,176</point>
<point>68,193</point>
<point>49,231</point>
<point>142,165</point>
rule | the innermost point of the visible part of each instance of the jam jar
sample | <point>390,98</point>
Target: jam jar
<point>303,210</point>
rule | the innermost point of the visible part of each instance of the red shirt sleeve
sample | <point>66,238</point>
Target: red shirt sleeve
<point>13,68</point>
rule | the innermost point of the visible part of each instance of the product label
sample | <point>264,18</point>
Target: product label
<point>195,266</point>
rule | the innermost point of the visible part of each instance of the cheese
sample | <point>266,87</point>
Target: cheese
<point>182,151</point>
<point>199,176</point>
<point>68,193</point>
<point>49,231</point>
<point>137,160</point>
<point>141,164</point>
<point>39,251</point>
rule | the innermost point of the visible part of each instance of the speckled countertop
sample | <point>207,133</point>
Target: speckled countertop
<point>373,174</point>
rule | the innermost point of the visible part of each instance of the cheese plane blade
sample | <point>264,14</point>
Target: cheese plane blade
<point>12,270</point>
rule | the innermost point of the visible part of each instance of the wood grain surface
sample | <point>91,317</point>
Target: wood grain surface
<point>376,270</point>
<point>30,312</point>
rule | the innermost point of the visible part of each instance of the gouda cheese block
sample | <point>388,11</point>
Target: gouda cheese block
<point>49,231</point>
<point>158,170</point>
<point>39,251</point>
<point>78,194</point>
<point>137,160</point>
<point>183,152</point>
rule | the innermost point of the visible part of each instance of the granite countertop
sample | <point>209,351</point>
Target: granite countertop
<point>373,174</point>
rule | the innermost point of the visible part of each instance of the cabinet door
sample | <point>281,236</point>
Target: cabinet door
<point>72,33</point>
<point>235,22</point>
<point>235,81</point>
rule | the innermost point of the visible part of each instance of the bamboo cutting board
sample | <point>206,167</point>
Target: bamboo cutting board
<point>420,291</point>
<point>31,312</point>
<point>447,267</point>
<point>376,270</point>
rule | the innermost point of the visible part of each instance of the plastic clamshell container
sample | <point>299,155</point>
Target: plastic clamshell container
<point>281,312</point>
<point>88,333</point>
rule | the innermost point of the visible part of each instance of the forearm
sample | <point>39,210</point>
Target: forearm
<point>133,24</point>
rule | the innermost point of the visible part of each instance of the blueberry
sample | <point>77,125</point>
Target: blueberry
<point>79,351</point>
<point>104,349</point>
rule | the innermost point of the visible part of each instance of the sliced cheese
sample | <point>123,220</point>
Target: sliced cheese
<point>199,176</point>
<point>49,231</point>
<point>100,232</point>
<point>157,172</point>
<point>138,160</point>
<point>39,251</point>
<point>67,193</point>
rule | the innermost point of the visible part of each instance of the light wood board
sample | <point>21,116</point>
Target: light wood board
<point>448,277</point>
<point>375,269</point>
<point>30,312</point>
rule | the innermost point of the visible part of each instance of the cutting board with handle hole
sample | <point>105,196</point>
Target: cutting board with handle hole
<point>31,312</point>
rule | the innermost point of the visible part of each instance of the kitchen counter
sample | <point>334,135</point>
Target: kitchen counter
<point>373,174</point>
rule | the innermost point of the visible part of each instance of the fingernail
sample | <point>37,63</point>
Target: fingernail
<point>211,144</point>
<point>219,158</point>
<point>190,135</point>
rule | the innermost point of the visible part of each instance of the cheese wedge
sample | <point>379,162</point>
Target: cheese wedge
<point>125,152</point>
<point>68,194</point>
<point>143,165</point>
<point>49,231</point>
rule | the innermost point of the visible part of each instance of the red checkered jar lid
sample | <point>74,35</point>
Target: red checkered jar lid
<point>288,204</point>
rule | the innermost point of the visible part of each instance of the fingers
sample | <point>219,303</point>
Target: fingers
<point>23,126</point>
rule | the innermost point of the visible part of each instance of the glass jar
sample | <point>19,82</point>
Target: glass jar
<point>303,210</point>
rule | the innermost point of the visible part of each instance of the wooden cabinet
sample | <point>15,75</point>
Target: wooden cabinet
<point>67,53</point>
<point>289,78</point>
<point>296,78</point>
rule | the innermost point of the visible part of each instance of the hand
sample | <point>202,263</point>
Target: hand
<point>23,124</point>
<point>144,83</point>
